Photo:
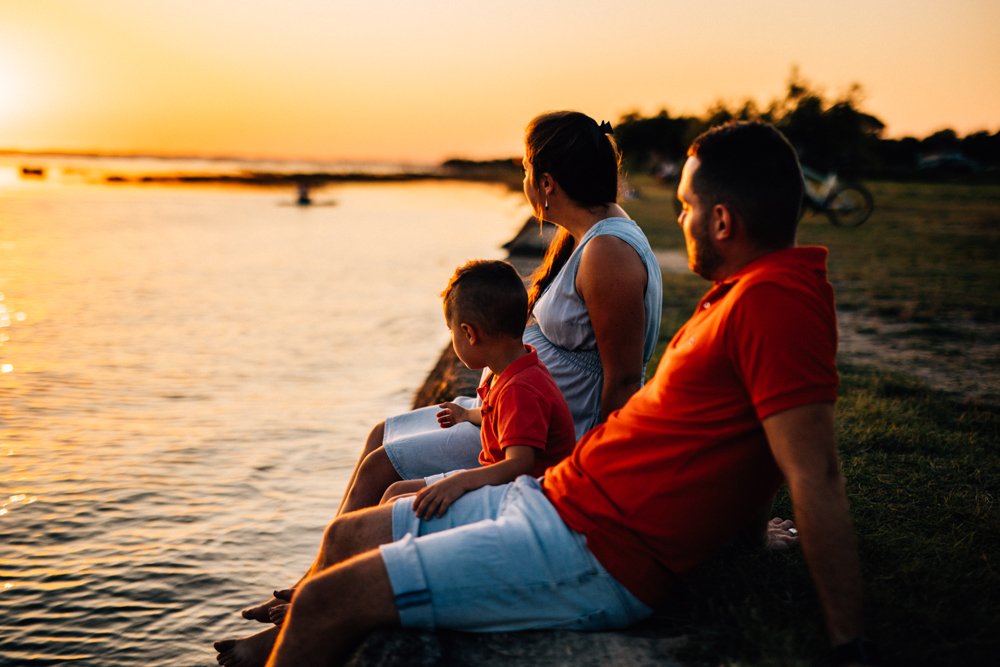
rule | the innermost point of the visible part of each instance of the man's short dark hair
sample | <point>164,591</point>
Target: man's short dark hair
<point>753,169</point>
<point>489,294</point>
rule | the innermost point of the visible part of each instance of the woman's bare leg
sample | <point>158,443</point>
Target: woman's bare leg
<point>262,612</point>
<point>374,475</point>
<point>375,438</point>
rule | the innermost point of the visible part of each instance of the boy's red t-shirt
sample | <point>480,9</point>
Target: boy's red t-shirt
<point>685,464</point>
<point>523,406</point>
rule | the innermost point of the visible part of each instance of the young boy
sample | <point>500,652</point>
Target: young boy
<point>525,423</point>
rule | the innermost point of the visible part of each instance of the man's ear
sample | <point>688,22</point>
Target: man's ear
<point>470,332</point>
<point>721,224</point>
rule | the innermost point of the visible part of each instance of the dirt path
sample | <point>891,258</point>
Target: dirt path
<point>967,365</point>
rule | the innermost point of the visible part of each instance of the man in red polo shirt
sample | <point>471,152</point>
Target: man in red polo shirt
<point>742,401</point>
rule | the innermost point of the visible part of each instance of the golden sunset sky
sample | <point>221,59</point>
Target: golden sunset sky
<point>421,81</point>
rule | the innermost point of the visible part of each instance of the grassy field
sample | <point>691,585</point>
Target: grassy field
<point>918,430</point>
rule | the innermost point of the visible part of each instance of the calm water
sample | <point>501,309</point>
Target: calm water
<point>186,376</point>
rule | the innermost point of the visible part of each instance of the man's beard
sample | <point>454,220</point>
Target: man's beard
<point>707,259</point>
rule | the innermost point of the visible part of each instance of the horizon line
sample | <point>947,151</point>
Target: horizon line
<point>208,157</point>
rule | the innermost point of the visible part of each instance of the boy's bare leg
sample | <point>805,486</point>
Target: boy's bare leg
<point>348,536</point>
<point>334,610</point>
<point>406,487</point>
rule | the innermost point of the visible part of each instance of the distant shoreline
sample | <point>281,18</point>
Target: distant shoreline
<point>138,169</point>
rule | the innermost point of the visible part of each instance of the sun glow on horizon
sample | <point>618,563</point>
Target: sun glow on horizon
<point>381,81</point>
<point>14,91</point>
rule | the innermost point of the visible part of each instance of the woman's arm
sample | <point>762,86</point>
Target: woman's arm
<point>612,281</point>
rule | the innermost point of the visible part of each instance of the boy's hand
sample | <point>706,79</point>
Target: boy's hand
<point>451,414</point>
<point>432,501</point>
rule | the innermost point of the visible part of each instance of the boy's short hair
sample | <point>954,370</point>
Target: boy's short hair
<point>489,294</point>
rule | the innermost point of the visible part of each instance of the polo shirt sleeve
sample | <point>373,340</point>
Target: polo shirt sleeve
<point>522,417</point>
<point>783,344</point>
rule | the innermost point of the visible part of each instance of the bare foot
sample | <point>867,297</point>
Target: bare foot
<point>781,534</point>
<point>262,611</point>
<point>278,613</point>
<point>251,651</point>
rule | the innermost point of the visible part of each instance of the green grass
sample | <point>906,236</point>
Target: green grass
<point>928,253</point>
<point>921,464</point>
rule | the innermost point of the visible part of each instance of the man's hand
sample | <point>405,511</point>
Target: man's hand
<point>434,500</point>
<point>780,534</point>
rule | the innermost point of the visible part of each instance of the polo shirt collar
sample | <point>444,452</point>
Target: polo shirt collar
<point>528,360</point>
<point>808,258</point>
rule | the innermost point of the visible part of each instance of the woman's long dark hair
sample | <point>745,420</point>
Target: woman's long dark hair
<point>582,157</point>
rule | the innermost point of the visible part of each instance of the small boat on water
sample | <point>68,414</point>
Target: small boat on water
<point>304,198</point>
<point>32,172</point>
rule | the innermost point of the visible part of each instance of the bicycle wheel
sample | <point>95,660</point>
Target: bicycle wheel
<point>849,205</point>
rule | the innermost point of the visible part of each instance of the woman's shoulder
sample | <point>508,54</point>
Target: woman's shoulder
<point>609,253</point>
<point>616,236</point>
<point>623,228</point>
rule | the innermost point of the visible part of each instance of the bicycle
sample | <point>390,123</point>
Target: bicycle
<point>845,204</point>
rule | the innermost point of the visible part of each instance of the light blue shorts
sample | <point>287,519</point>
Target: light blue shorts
<point>501,559</point>
<point>417,446</point>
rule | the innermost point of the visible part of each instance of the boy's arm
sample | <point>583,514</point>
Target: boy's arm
<point>435,499</point>
<point>453,413</point>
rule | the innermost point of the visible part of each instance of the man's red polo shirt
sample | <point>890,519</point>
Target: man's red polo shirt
<point>685,465</point>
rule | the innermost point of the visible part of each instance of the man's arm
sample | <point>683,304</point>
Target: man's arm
<point>804,445</point>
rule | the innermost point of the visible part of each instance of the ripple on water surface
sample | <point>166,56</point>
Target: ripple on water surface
<point>190,373</point>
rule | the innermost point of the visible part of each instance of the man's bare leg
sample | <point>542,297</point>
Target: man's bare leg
<point>247,652</point>
<point>347,536</point>
<point>333,611</point>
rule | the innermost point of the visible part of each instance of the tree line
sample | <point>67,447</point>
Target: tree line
<point>831,135</point>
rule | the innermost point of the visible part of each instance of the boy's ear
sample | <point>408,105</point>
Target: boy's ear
<point>470,332</point>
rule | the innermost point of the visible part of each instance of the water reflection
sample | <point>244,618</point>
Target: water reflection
<point>190,375</point>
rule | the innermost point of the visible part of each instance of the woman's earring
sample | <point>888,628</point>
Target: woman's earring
<point>546,203</point>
